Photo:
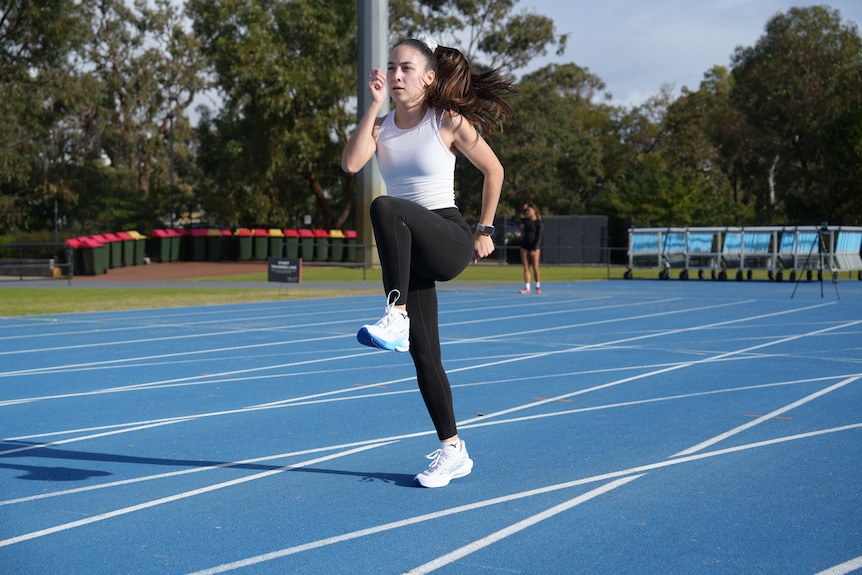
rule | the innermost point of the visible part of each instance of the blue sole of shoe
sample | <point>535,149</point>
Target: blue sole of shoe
<point>366,338</point>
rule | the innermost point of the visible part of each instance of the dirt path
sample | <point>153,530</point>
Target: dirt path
<point>159,272</point>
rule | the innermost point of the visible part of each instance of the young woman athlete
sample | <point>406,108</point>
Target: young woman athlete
<point>421,235</point>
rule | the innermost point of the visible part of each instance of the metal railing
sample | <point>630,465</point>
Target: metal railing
<point>21,261</point>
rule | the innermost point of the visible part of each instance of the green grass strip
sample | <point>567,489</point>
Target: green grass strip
<point>20,301</point>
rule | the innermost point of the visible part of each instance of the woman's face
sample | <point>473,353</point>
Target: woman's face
<point>407,75</point>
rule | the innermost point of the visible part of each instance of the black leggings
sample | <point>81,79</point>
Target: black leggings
<point>417,248</point>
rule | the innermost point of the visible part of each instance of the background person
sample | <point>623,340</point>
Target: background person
<point>531,242</point>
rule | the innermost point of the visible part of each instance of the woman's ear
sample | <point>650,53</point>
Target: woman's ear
<point>430,75</point>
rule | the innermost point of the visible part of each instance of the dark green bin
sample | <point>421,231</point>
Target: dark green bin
<point>321,245</point>
<point>242,239</point>
<point>140,243</point>
<point>217,244</point>
<point>336,245</point>
<point>113,247</point>
<point>306,245</point>
<point>350,242</point>
<point>179,244</point>
<point>160,245</point>
<point>94,256</point>
<point>197,239</point>
<point>128,250</point>
<point>260,239</point>
<point>291,244</point>
<point>276,243</point>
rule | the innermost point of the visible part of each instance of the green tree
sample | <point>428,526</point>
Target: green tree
<point>842,166</point>
<point>146,66</point>
<point>692,137</point>
<point>35,39</point>
<point>795,86</point>
<point>87,109</point>
<point>285,72</point>
<point>638,166</point>
<point>489,32</point>
<point>655,197</point>
<point>553,149</point>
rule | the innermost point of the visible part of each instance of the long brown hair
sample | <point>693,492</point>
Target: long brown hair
<point>535,209</point>
<point>481,98</point>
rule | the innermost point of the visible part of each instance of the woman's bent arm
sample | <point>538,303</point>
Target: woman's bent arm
<point>361,145</point>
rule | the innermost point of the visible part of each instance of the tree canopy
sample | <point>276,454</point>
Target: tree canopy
<point>798,91</point>
<point>97,100</point>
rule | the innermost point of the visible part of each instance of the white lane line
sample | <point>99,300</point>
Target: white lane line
<point>220,377</point>
<point>95,435</point>
<point>410,521</point>
<point>228,464</point>
<point>133,387</point>
<point>322,360</point>
<point>562,308</point>
<point>178,496</point>
<point>144,424</point>
<point>844,568</point>
<point>493,538</point>
<point>309,400</point>
<point>479,423</point>
<point>484,420</point>
<point>250,321</point>
<point>711,359</point>
<point>64,368</point>
<point>150,322</point>
<point>504,499</point>
<point>61,368</point>
<point>210,377</point>
<point>318,397</point>
<point>653,335</point>
<point>757,421</point>
<point>322,398</point>
<point>126,342</point>
<point>580,348</point>
<point>369,441</point>
<point>497,336</point>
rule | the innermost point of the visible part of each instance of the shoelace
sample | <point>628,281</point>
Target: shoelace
<point>390,305</point>
<point>390,301</point>
<point>438,458</point>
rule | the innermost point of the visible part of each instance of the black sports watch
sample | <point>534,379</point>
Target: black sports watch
<point>483,229</point>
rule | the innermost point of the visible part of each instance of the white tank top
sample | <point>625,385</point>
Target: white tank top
<point>415,163</point>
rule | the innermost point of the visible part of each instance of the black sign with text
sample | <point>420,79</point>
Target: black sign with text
<point>285,270</point>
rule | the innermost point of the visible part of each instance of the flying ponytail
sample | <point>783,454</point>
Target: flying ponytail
<point>482,98</point>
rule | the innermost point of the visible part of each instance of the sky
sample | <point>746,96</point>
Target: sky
<point>637,46</point>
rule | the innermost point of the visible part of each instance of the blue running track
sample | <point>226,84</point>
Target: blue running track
<point>616,427</point>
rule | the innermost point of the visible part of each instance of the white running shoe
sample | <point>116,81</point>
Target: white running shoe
<point>446,465</point>
<point>391,332</point>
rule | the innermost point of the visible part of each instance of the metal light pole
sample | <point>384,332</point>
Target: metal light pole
<point>373,35</point>
<point>171,169</point>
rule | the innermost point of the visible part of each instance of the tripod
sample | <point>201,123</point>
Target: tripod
<point>818,240</point>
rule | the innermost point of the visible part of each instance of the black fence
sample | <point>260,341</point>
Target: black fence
<point>565,240</point>
<point>20,261</point>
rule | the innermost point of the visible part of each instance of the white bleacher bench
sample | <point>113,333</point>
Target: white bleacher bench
<point>774,249</point>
